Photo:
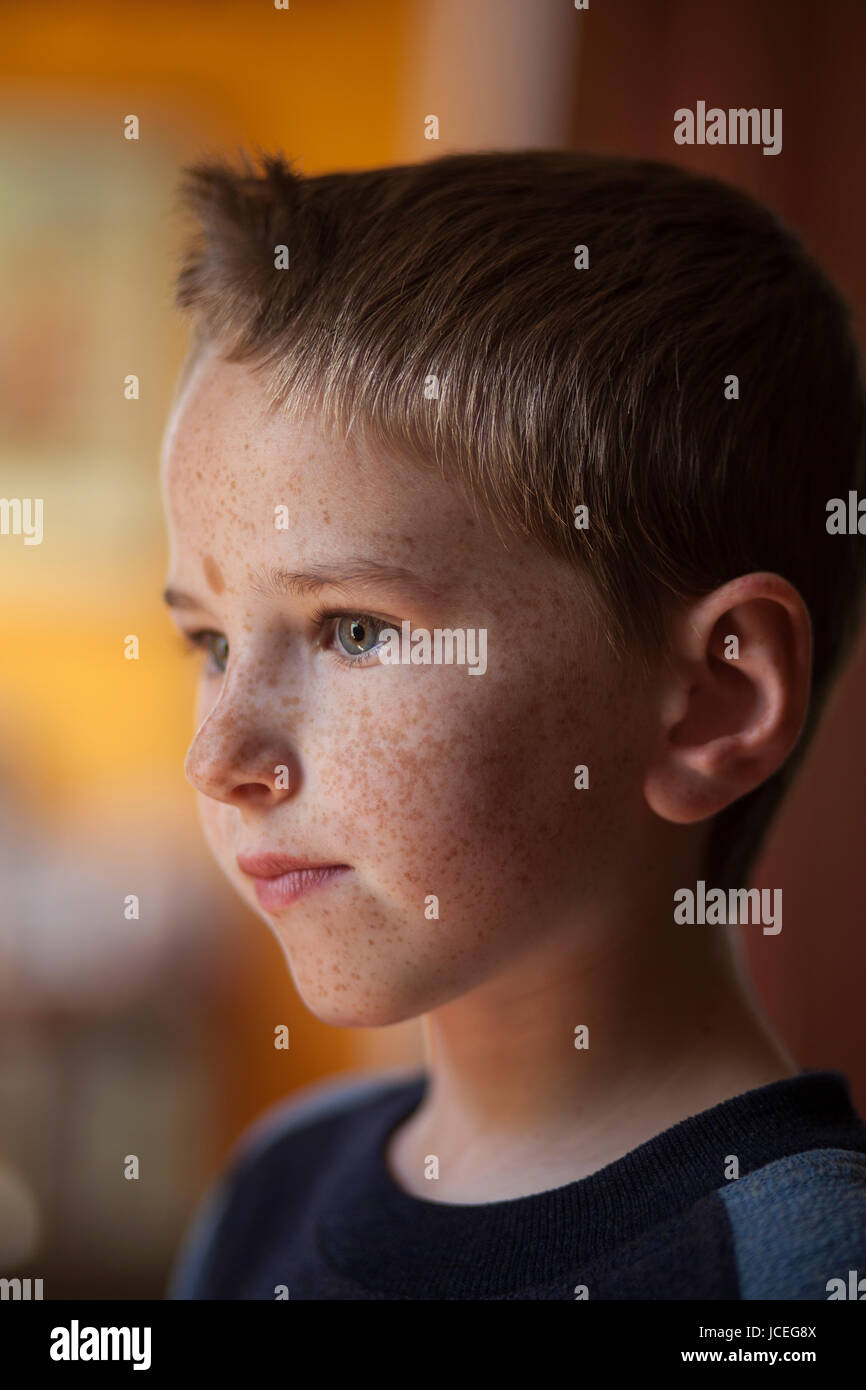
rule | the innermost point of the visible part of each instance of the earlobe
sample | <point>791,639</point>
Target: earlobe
<point>734,698</point>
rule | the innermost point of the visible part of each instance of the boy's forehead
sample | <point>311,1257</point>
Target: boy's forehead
<point>242,481</point>
<point>223,442</point>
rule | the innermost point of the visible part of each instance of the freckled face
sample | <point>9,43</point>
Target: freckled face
<point>424,779</point>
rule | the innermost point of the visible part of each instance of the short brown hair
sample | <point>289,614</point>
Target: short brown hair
<point>560,385</point>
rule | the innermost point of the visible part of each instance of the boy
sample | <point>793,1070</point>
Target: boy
<point>594,409</point>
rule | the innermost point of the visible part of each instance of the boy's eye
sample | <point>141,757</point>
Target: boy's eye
<point>358,634</point>
<point>216,646</point>
<point>357,640</point>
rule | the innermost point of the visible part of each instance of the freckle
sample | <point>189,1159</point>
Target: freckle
<point>213,574</point>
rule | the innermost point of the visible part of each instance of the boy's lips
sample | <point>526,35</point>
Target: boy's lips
<point>268,865</point>
<point>280,879</point>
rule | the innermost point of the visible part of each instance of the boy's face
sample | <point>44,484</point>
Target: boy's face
<point>423,779</point>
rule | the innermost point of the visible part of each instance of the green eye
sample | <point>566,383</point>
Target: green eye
<point>216,646</point>
<point>219,651</point>
<point>358,635</point>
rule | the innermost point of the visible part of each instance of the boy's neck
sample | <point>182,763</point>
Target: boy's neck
<point>514,1107</point>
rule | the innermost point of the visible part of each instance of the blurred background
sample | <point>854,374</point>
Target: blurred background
<point>153,1034</point>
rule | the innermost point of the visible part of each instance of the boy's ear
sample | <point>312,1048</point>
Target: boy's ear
<point>732,699</point>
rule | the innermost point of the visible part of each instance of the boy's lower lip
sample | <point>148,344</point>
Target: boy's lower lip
<point>274,893</point>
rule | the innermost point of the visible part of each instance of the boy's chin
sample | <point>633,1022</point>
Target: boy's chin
<point>351,1006</point>
<point>349,1013</point>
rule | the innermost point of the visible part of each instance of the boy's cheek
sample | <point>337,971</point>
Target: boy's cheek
<point>450,781</point>
<point>214,820</point>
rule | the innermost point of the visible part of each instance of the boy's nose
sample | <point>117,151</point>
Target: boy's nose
<point>232,760</point>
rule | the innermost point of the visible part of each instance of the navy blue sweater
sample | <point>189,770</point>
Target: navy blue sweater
<point>306,1209</point>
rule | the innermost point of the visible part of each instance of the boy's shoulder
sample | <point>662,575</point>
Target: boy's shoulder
<point>317,1103</point>
<point>799,1225</point>
<point>319,1100</point>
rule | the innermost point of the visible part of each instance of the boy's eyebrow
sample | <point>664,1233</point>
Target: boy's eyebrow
<point>276,582</point>
<point>352,573</point>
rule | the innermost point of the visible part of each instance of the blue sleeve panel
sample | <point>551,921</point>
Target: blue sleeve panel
<point>798,1223</point>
